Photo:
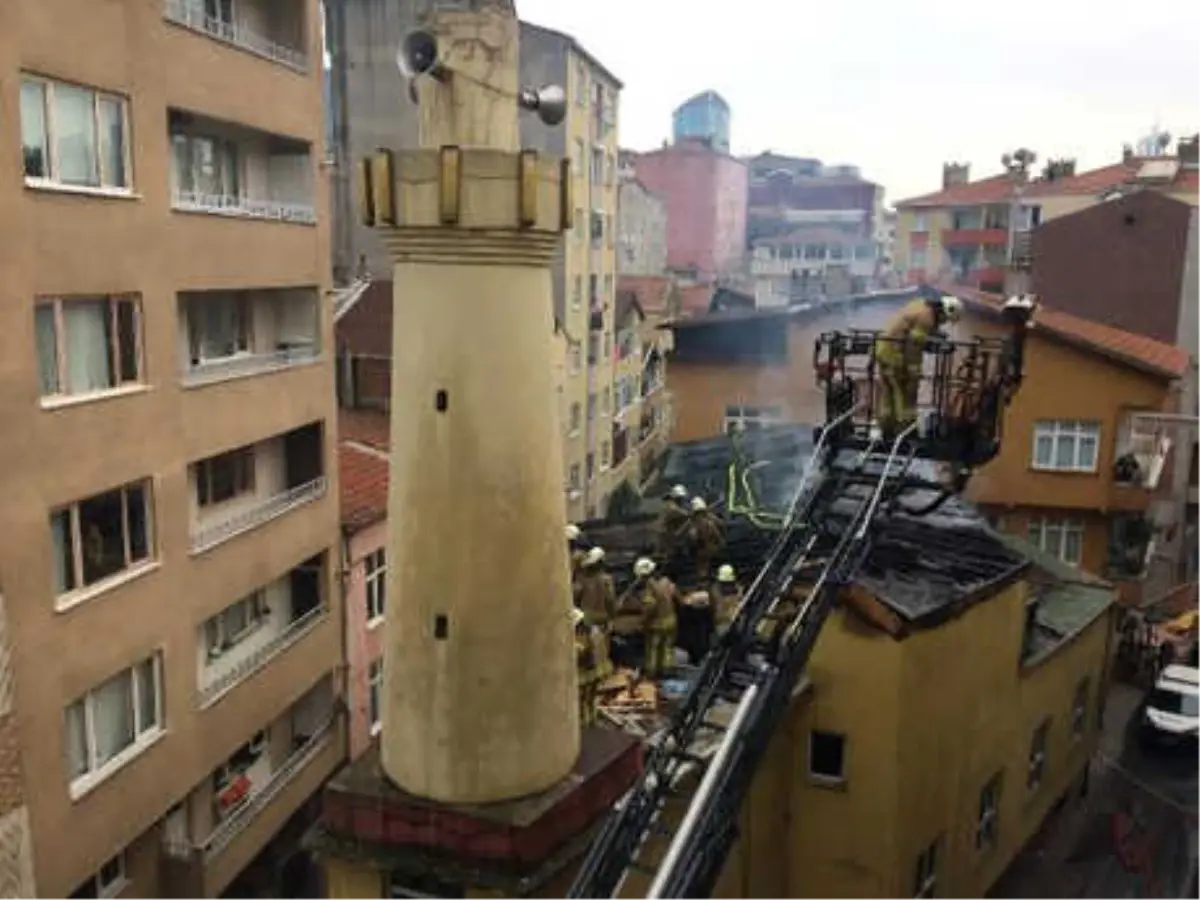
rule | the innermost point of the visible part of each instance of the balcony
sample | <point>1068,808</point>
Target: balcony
<point>247,635</point>
<point>234,334</point>
<point>241,489</point>
<point>272,29</point>
<point>974,237</point>
<point>227,819</point>
<point>229,170</point>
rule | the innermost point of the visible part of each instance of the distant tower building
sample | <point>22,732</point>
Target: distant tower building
<point>704,117</point>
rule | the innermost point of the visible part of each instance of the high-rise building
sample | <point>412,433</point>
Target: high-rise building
<point>169,511</point>
<point>705,118</point>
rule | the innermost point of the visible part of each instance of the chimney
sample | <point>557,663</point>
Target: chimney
<point>1187,151</point>
<point>955,173</point>
<point>1126,153</point>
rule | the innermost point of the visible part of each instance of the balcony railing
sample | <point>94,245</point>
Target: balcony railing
<point>211,535</point>
<point>258,659</point>
<point>243,207</point>
<point>191,15</point>
<point>241,365</point>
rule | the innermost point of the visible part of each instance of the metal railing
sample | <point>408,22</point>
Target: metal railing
<point>257,660</point>
<point>243,207</point>
<point>211,535</point>
<point>210,371</point>
<point>191,15</point>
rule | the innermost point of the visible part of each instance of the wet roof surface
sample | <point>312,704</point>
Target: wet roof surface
<point>920,567</point>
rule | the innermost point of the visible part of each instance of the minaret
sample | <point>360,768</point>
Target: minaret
<point>480,694</point>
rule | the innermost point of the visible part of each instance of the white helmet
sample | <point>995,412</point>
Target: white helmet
<point>698,504</point>
<point>594,557</point>
<point>577,616</point>
<point>679,492</point>
<point>573,532</point>
<point>1021,301</point>
<point>644,567</point>
<point>952,307</point>
<point>725,574</point>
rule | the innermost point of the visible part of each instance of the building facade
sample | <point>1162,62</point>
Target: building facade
<point>641,230</point>
<point>705,118</point>
<point>705,193</point>
<point>164,309</point>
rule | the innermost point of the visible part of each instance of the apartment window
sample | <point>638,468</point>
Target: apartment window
<point>109,881</point>
<point>576,358</point>
<point>1079,709</point>
<point>597,173</point>
<point>826,755</point>
<point>74,135</point>
<point>576,417</point>
<point>224,477</point>
<point>916,258</point>
<point>925,884</point>
<point>593,290</point>
<point>590,465</point>
<point>591,407</point>
<point>375,694</point>
<point>1061,538</point>
<point>750,418</point>
<point>919,223</point>
<point>234,624</point>
<point>580,230</point>
<point>88,345</point>
<point>577,293</point>
<point>218,327</point>
<point>112,722</point>
<point>1037,756</point>
<point>376,569</point>
<point>987,824</point>
<point>101,536</point>
<point>608,286</point>
<point>206,167</point>
<point>593,349</point>
<point>574,480</point>
<point>605,455</point>
<point>1065,445</point>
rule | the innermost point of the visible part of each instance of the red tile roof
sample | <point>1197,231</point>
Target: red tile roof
<point>995,189</point>
<point>365,427</point>
<point>1138,351</point>
<point>363,486</point>
<point>651,290</point>
<point>1093,182</point>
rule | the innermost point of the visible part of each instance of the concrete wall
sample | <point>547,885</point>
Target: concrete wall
<point>641,231</point>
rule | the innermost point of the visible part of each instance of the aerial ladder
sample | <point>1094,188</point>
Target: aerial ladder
<point>853,480</point>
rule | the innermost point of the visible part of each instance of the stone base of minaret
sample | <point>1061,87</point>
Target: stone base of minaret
<point>376,840</point>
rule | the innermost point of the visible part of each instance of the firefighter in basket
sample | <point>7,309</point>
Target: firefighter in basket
<point>900,356</point>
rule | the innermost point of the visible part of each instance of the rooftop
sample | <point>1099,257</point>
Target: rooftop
<point>1137,351</point>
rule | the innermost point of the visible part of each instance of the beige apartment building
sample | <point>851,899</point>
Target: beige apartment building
<point>170,693</point>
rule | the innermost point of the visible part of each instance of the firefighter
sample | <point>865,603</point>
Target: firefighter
<point>585,663</point>
<point>900,355</point>
<point>657,597</point>
<point>725,597</point>
<point>672,521</point>
<point>705,537</point>
<point>595,594</point>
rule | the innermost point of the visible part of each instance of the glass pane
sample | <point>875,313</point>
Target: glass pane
<point>204,166</point>
<point>181,164</point>
<point>1073,546</point>
<point>1043,453</point>
<point>127,361</point>
<point>64,552</point>
<point>103,537</point>
<point>34,145</point>
<point>1053,540</point>
<point>1064,452</point>
<point>235,620</point>
<point>230,181</point>
<point>76,740</point>
<point>86,329</point>
<point>75,127</point>
<point>1087,452</point>
<point>112,135</point>
<point>112,716</point>
<point>47,349</point>
<point>136,499</point>
<point>147,696</point>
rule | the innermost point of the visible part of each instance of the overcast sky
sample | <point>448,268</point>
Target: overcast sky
<point>899,87</point>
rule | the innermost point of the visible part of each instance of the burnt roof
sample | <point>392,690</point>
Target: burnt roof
<point>923,569</point>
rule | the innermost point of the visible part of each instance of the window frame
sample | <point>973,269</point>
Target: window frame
<point>375,696</point>
<point>1039,528</point>
<point>375,586</point>
<point>100,887</point>
<point>825,778</point>
<point>79,590</point>
<point>49,135</point>
<point>143,737</point>
<point>1077,431</point>
<point>987,822</point>
<point>114,302</point>
<point>245,473</point>
<point>1039,752</point>
<point>258,611</point>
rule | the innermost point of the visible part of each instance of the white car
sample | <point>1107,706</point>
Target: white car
<point>1172,711</point>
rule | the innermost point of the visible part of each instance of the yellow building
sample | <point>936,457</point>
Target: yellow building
<point>961,231</point>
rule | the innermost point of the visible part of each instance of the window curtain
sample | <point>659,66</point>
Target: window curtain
<point>77,755</point>
<point>85,327</point>
<point>112,716</point>
<point>75,124</point>
<point>47,349</point>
